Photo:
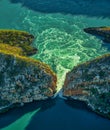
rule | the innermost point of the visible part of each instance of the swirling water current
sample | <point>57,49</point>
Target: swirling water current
<point>60,38</point>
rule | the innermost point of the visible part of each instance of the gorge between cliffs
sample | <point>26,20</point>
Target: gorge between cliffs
<point>24,80</point>
<point>54,65</point>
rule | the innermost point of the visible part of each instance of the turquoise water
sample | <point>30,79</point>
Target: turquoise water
<point>59,38</point>
<point>25,120</point>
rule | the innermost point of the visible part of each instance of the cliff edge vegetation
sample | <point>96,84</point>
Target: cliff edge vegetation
<point>22,79</point>
<point>90,82</point>
<point>20,39</point>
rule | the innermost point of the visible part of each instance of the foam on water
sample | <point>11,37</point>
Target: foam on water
<point>62,43</point>
<point>60,38</point>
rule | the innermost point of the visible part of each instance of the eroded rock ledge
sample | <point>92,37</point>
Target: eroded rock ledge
<point>90,82</point>
<point>103,32</point>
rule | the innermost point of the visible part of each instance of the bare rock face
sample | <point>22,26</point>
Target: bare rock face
<point>23,80</point>
<point>90,82</point>
<point>104,32</point>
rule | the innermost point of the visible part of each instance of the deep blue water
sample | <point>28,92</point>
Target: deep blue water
<point>55,114</point>
<point>78,7</point>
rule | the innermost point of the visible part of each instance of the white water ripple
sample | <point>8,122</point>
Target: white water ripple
<point>63,49</point>
<point>60,38</point>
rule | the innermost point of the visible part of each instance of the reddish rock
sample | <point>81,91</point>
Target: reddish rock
<point>90,82</point>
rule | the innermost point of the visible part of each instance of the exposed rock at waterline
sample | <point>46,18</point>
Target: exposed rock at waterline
<point>104,32</point>
<point>90,82</point>
<point>22,79</point>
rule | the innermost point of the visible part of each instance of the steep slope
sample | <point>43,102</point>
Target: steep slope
<point>23,79</point>
<point>90,82</point>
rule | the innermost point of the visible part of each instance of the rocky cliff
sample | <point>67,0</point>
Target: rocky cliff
<point>90,82</point>
<point>103,32</point>
<point>23,79</point>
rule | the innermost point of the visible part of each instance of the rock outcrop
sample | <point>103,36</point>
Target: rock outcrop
<point>104,32</point>
<point>90,82</point>
<point>20,39</point>
<point>23,79</point>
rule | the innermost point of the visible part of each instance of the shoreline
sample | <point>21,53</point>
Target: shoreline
<point>52,99</point>
<point>88,107</point>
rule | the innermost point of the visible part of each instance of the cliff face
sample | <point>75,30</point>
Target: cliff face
<point>104,32</point>
<point>22,79</point>
<point>90,82</point>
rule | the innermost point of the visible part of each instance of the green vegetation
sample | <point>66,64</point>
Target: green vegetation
<point>5,48</point>
<point>23,60</point>
<point>25,75</point>
<point>16,45</point>
<point>19,39</point>
<point>92,77</point>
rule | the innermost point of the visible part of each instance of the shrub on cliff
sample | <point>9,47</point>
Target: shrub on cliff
<point>19,39</point>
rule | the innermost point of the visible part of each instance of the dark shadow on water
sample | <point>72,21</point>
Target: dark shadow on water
<point>104,44</point>
<point>56,114</point>
<point>75,7</point>
<point>15,113</point>
<point>68,115</point>
<point>77,105</point>
<point>81,105</point>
